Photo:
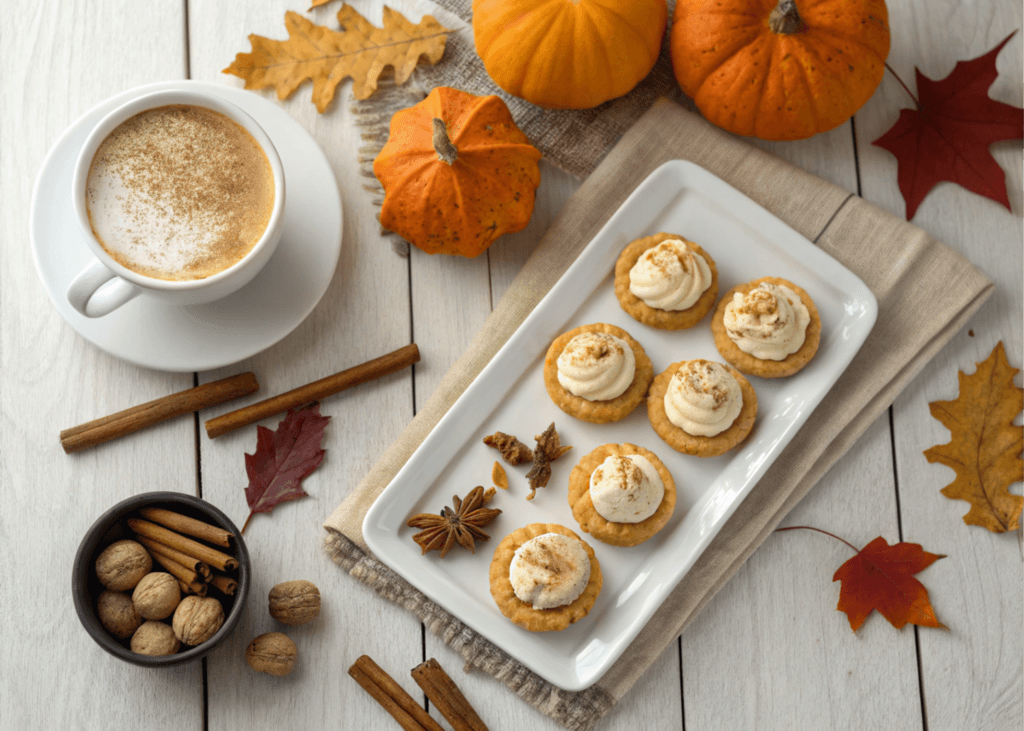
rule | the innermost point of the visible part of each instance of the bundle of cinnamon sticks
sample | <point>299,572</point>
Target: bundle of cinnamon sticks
<point>435,682</point>
<point>195,565</point>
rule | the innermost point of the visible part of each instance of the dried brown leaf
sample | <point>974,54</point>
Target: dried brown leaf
<point>985,448</point>
<point>326,57</point>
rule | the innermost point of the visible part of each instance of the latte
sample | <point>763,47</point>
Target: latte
<point>179,192</point>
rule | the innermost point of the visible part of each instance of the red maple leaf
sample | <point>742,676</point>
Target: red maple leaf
<point>947,137</point>
<point>283,459</point>
<point>881,577</point>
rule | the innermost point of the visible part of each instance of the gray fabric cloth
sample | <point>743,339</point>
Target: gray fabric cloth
<point>899,262</point>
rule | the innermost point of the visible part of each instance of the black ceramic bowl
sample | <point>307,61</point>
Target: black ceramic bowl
<point>111,527</point>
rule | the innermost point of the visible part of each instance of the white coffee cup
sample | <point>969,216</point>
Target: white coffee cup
<point>105,284</point>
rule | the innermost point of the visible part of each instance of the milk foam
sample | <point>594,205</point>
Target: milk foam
<point>179,192</point>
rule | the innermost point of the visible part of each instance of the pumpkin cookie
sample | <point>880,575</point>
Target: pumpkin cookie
<point>768,327</point>
<point>597,373</point>
<point>666,281</point>
<point>544,577</point>
<point>702,408</point>
<point>621,494</point>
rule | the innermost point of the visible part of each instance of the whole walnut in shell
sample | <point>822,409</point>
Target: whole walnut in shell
<point>155,638</point>
<point>295,602</point>
<point>156,596</point>
<point>272,653</point>
<point>117,614</point>
<point>122,564</point>
<point>197,619</point>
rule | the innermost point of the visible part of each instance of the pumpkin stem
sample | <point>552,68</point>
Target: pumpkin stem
<point>446,151</point>
<point>784,19</point>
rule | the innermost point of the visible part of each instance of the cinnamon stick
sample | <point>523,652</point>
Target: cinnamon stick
<point>185,588</point>
<point>446,696</point>
<point>153,412</point>
<point>199,567</point>
<point>188,526</point>
<point>192,548</point>
<point>315,391</point>
<point>224,584</point>
<point>181,573</point>
<point>391,696</point>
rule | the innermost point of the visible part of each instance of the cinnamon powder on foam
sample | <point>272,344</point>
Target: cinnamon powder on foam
<point>179,192</point>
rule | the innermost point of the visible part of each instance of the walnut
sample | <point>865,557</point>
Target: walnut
<point>512,450</point>
<point>295,602</point>
<point>197,619</point>
<point>155,638</point>
<point>272,653</point>
<point>117,614</point>
<point>122,565</point>
<point>156,596</point>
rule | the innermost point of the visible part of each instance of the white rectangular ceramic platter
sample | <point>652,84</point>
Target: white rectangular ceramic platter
<point>746,242</point>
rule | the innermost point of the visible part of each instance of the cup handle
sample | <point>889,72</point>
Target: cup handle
<point>93,294</point>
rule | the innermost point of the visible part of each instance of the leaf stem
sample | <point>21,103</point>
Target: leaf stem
<point>905,87</point>
<point>819,530</point>
<point>242,532</point>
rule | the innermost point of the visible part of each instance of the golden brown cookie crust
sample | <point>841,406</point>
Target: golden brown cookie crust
<point>640,310</point>
<point>523,614</point>
<point>756,366</point>
<point>699,446</point>
<point>598,412</point>
<point>617,534</point>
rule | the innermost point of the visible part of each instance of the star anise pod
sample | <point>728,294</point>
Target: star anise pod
<point>461,523</point>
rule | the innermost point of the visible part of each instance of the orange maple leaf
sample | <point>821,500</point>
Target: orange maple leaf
<point>326,57</point>
<point>985,447</point>
<point>881,577</point>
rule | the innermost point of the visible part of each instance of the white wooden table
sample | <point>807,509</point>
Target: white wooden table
<point>769,652</point>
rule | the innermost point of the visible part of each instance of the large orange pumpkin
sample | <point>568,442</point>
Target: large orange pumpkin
<point>779,69</point>
<point>457,173</point>
<point>568,54</point>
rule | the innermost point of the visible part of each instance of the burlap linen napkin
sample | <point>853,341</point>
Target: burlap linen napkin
<point>901,264</point>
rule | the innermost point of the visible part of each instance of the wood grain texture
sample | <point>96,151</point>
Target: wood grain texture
<point>771,651</point>
<point>972,675</point>
<point>364,314</point>
<point>59,59</point>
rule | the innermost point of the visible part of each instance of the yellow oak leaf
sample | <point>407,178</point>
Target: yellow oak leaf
<point>326,57</point>
<point>985,448</point>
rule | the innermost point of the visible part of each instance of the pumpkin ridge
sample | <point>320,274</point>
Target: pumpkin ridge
<point>764,83</point>
<point>559,19</point>
<point>809,89</point>
<point>731,56</point>
<point>610,71</point>
<point>860,45</point>
<point>739,45</point>
<point>637,32</point>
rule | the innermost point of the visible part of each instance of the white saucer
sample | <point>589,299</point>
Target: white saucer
<point>200,337</point>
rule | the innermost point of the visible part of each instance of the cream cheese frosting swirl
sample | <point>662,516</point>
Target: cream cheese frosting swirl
<point>596,366</point>
<point>670,276</point>
<point>703,398</point>
<point>769,322</point>
<point>626,489</point>
<point>549,571</point>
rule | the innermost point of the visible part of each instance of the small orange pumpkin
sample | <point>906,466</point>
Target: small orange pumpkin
<point>457,173</point>
<point>568,54</point>
<point>779,69</point>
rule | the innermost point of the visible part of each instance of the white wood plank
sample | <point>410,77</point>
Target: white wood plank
<point>972,675</point>
<point>774,629</point>
<point>365,313</point>
<point>60,59</point>
<point>771,652</point>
